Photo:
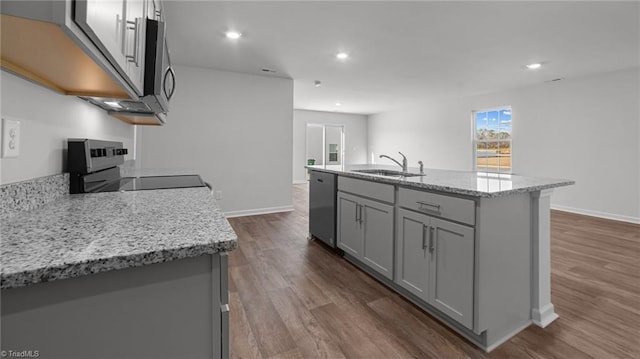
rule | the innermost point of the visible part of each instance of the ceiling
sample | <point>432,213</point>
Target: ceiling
<point>404,51</point>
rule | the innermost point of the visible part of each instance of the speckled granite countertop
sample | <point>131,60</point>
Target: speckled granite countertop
<point>476,184</point>
<point>91,233</point>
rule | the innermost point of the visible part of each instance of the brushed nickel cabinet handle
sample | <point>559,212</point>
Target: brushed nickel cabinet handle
<point>134,58</point>
<point>433,207</point>
<point>424,236</point>
<point>432,240</point>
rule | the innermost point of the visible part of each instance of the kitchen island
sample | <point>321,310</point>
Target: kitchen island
<point>117,275</point>
<point>470,248</point>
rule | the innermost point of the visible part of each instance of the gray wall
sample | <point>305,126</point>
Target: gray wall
<point>355,133</point>
<point>235,130</point>
<point>584,129</point>
<point>47,119</point>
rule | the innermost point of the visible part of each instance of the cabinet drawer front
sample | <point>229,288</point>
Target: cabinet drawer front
<point>375,190</point>
<point>454,208</point>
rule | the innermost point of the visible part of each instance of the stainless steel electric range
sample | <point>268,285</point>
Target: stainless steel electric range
<point>94,167</point>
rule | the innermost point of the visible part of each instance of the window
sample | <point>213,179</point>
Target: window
<point>492,140</point>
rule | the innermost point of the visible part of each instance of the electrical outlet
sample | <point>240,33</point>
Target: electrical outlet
<point>10,138</point>
<point>218,194</point>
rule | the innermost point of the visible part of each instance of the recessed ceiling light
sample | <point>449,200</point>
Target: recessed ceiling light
<point>534,66</point>
<point>342,56</point>
<point>234,35</point>
<point>338,104</point>
<point>317,83</point>
<point>113,104</point>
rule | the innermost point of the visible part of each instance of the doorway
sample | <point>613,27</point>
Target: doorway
<point>325,144</point>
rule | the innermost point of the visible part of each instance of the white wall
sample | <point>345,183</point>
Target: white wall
<point>47,119</point>
<point>235,130</point>
<point>355,134</point>
<point>584,129</point>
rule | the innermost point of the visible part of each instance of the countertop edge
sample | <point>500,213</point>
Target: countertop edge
<point>441,188</point>
<point>78,269</point>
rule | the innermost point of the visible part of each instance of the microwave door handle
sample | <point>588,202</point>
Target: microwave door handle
<point>173,83</point>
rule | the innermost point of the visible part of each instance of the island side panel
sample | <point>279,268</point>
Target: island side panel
<point>503,267</point>
<point>164,310</point>
<point>542,310</point>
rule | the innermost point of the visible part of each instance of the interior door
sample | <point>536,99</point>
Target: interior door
<point>451,270</point>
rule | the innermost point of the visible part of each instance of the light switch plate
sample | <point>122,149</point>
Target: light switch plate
<point>10,138</point>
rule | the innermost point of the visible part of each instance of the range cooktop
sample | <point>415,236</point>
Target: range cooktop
<point>155,182</point>
<point>94,167</point>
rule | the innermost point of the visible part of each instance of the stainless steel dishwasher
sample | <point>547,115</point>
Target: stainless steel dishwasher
<point>322,207</point>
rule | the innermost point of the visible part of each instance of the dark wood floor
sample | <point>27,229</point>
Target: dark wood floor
<point>292,298</point>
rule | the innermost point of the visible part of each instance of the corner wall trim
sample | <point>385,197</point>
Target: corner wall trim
<point>605,215</point>
<point>257,211</point>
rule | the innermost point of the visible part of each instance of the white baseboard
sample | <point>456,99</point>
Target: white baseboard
<point>254,212</point>
<point>300,182</point>
<point>615,217</point>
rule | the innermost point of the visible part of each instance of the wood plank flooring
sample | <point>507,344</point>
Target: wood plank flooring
<point>293,298</point>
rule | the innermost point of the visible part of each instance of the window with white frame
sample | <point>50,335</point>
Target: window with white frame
<point>492,140</point>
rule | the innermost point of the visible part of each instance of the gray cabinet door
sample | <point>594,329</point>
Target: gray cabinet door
<point>377,227</point>
<point>412,253</point>
<point>349,233</point>
<point>104,22</point>
<point>134,42</point>
<point>451,270</point>
<point>116,27</point>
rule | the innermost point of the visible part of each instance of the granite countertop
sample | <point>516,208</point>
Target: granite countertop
<point>476,184</point>
<point>83,234</point>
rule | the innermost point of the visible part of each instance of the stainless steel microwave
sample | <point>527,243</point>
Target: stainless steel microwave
<point>159,79</point>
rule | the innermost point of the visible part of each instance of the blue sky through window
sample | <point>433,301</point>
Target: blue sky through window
<point>498,121</point>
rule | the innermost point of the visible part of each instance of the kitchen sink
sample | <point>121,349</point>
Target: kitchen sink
<point>388,173</point>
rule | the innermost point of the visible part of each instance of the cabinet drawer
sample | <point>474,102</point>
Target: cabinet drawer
<point>375,190</point>
<point>454,208</point>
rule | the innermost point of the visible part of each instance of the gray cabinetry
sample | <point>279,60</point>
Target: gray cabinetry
<point>116,27</point>
<point>349,229</point>
<point>174,309</point>
<point>377,231</point>
<point>434,261</point>
<point>412,253</point>
<point>134,42</point>
<point>451,270</point>
<point>365,231</point>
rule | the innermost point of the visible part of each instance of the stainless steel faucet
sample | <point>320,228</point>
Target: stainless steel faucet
<point>403,164</point>
<point>421,167</point>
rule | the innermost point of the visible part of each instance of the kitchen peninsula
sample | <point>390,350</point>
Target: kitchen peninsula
<point>470,248</point>
<point>116,275</point>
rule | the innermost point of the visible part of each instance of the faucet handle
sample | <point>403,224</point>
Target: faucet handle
<point>404,162</point>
